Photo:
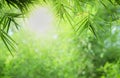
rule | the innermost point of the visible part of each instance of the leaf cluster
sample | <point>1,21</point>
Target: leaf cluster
<point>10,11</point>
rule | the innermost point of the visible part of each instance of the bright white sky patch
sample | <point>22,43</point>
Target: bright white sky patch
<point>40,21</point>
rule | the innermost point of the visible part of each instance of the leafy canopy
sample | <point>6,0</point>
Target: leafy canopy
<point>83,15</point>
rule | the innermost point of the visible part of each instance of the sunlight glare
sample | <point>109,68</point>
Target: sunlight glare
<point>40,21</point>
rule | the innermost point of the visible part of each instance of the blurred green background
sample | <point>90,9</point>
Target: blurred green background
<point>61,52</point>
<point>61,55</point>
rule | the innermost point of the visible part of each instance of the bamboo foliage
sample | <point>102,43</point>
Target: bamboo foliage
<point>87,14</point>
<point>10,10</point>
<point>93,15</point>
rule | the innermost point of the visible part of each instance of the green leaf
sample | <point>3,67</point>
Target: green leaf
<point>92,29</point>
<point>81,23</point>
<point>6,44</point>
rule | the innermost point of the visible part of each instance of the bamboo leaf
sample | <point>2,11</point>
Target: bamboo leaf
<point>10,43</point>
<point>6,44</point>
<point>8,26</point>
<point>85,26</point>
<point>8,36</point>
<point>92,29</point>
<point>82,23</point>
<point>16,24</point>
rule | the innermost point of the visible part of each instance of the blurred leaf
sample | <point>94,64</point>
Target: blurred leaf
<point>81,23</point>
<point>118,1</point>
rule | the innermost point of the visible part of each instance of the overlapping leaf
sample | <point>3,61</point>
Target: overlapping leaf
<point>5,24</point>
<point>20,4</point>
